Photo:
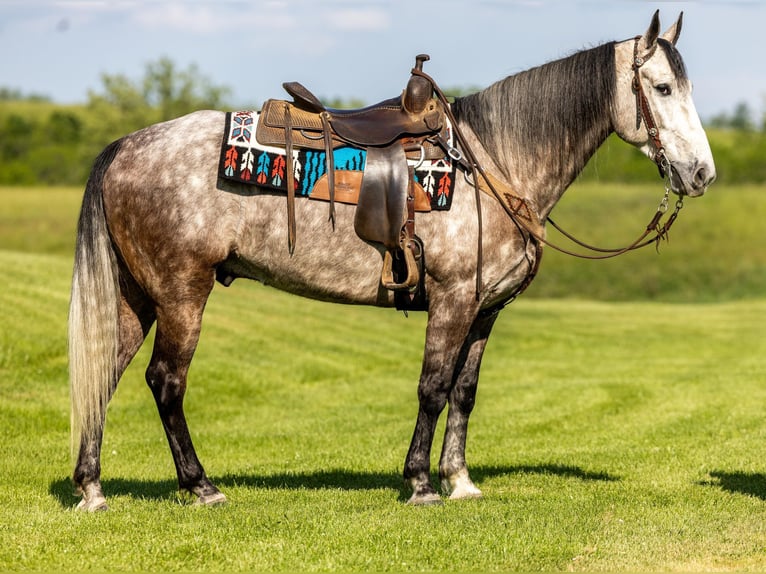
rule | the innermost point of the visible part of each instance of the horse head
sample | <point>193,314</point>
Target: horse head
<point>654,110</point>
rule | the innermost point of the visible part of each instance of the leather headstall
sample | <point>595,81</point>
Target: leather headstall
<point>644,111</point>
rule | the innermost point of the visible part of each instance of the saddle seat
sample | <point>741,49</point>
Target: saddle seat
<point>376,125</point>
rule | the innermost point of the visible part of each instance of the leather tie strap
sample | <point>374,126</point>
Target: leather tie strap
<point>290,180</point>
<point>329,162</point>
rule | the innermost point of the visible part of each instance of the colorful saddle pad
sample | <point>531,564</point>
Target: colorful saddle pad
<point>245,160</point>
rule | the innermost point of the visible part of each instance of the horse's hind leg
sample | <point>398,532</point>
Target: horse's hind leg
<point>135,318</point>
<point>179,317</point>
<point>453,471</point>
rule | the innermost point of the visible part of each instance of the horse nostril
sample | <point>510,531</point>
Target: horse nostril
<point>699,177</point>
<point>703,177</point>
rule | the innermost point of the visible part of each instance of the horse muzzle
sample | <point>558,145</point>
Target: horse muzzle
<point>691,178</point>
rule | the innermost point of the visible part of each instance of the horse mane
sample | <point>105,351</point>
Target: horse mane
<point>552,116</point>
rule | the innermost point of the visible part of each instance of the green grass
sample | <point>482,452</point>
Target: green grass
<point>607,436</point>
<point>39,219</point>
<point>715,251</point>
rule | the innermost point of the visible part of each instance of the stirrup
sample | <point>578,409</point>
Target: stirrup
<point>387,275</point>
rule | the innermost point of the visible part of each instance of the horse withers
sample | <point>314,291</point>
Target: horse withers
<point>158,225</point>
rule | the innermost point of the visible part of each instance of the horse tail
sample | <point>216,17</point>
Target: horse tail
<point>93,311</point>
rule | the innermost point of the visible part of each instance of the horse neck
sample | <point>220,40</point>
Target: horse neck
<point>540,127</point>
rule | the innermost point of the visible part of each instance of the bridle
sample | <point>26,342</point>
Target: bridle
<point>643,113</point>
<point>655,230</point>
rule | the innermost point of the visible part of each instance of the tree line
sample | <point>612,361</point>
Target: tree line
<point>44,143</point>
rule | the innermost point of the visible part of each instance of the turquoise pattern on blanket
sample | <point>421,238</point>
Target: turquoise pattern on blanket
<point>315,165</point>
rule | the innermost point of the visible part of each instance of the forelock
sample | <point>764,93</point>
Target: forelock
<point>674,58</point>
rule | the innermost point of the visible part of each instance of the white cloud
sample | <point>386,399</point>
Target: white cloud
<point>197,18</point>
<point>359,20</point>
<point>214,17</point>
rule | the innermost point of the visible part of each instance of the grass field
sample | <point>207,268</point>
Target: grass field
<point>620,435</point>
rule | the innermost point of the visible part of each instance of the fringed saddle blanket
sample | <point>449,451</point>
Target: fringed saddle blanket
<point>245,160</point>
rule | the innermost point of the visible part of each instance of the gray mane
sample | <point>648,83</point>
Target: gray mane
<point>551,116</point>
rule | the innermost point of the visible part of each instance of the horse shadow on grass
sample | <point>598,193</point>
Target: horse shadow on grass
<point>336,479</point>
<point>747,483</point>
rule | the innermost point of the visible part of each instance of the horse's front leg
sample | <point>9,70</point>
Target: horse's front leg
<point>453,471</point>
<point>448,326</point>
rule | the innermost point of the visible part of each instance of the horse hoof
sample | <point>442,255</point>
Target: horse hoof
<point>427,499</point>
<point>92,498</point>
<point>465,493</point>
<point>212,499</point>
<point>460,486</point>
<point>95,504</point>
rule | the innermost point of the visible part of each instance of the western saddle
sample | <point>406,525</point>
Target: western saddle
<point>411,126</point>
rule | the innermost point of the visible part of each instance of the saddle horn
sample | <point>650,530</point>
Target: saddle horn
<point>419,90</point>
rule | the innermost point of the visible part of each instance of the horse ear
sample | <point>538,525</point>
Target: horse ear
<point>649,39</point>
<point>672,33</point>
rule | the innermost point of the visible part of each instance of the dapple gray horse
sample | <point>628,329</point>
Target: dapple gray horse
<point>157,224</point>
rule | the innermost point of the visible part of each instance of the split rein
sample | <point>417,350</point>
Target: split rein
<point>655,231</point>
<point>655,226</point>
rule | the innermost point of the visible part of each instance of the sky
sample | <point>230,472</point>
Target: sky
<point>362,49</point>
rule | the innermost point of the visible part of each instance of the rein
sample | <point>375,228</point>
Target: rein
<point>660,233</point>
<point>655,230</point>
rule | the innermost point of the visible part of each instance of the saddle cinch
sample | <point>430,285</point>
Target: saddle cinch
<point>409,126</point>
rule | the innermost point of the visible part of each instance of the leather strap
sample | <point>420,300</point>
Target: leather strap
<point>409,224</point>
<point>474,167</point>
<point>290,181</point>
<point>329,162</point>
<point>644,110</point>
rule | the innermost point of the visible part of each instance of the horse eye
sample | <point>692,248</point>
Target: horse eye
<point>664,89</point>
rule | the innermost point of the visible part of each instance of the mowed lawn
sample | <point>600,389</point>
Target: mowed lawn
<point>607,435</point>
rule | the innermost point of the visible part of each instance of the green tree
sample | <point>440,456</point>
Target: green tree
<point>453,92</point>
<point>16,136</point>
<point>741,119</point>
<point>165,92</point>
<point>176,92</point>
<point>44,143</point>
<point>8,94</point>
<point>65,127</point>
<point>339,103</point>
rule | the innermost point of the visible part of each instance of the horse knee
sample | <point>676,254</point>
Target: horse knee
<point>463,398</point>
<point>432,397</point>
